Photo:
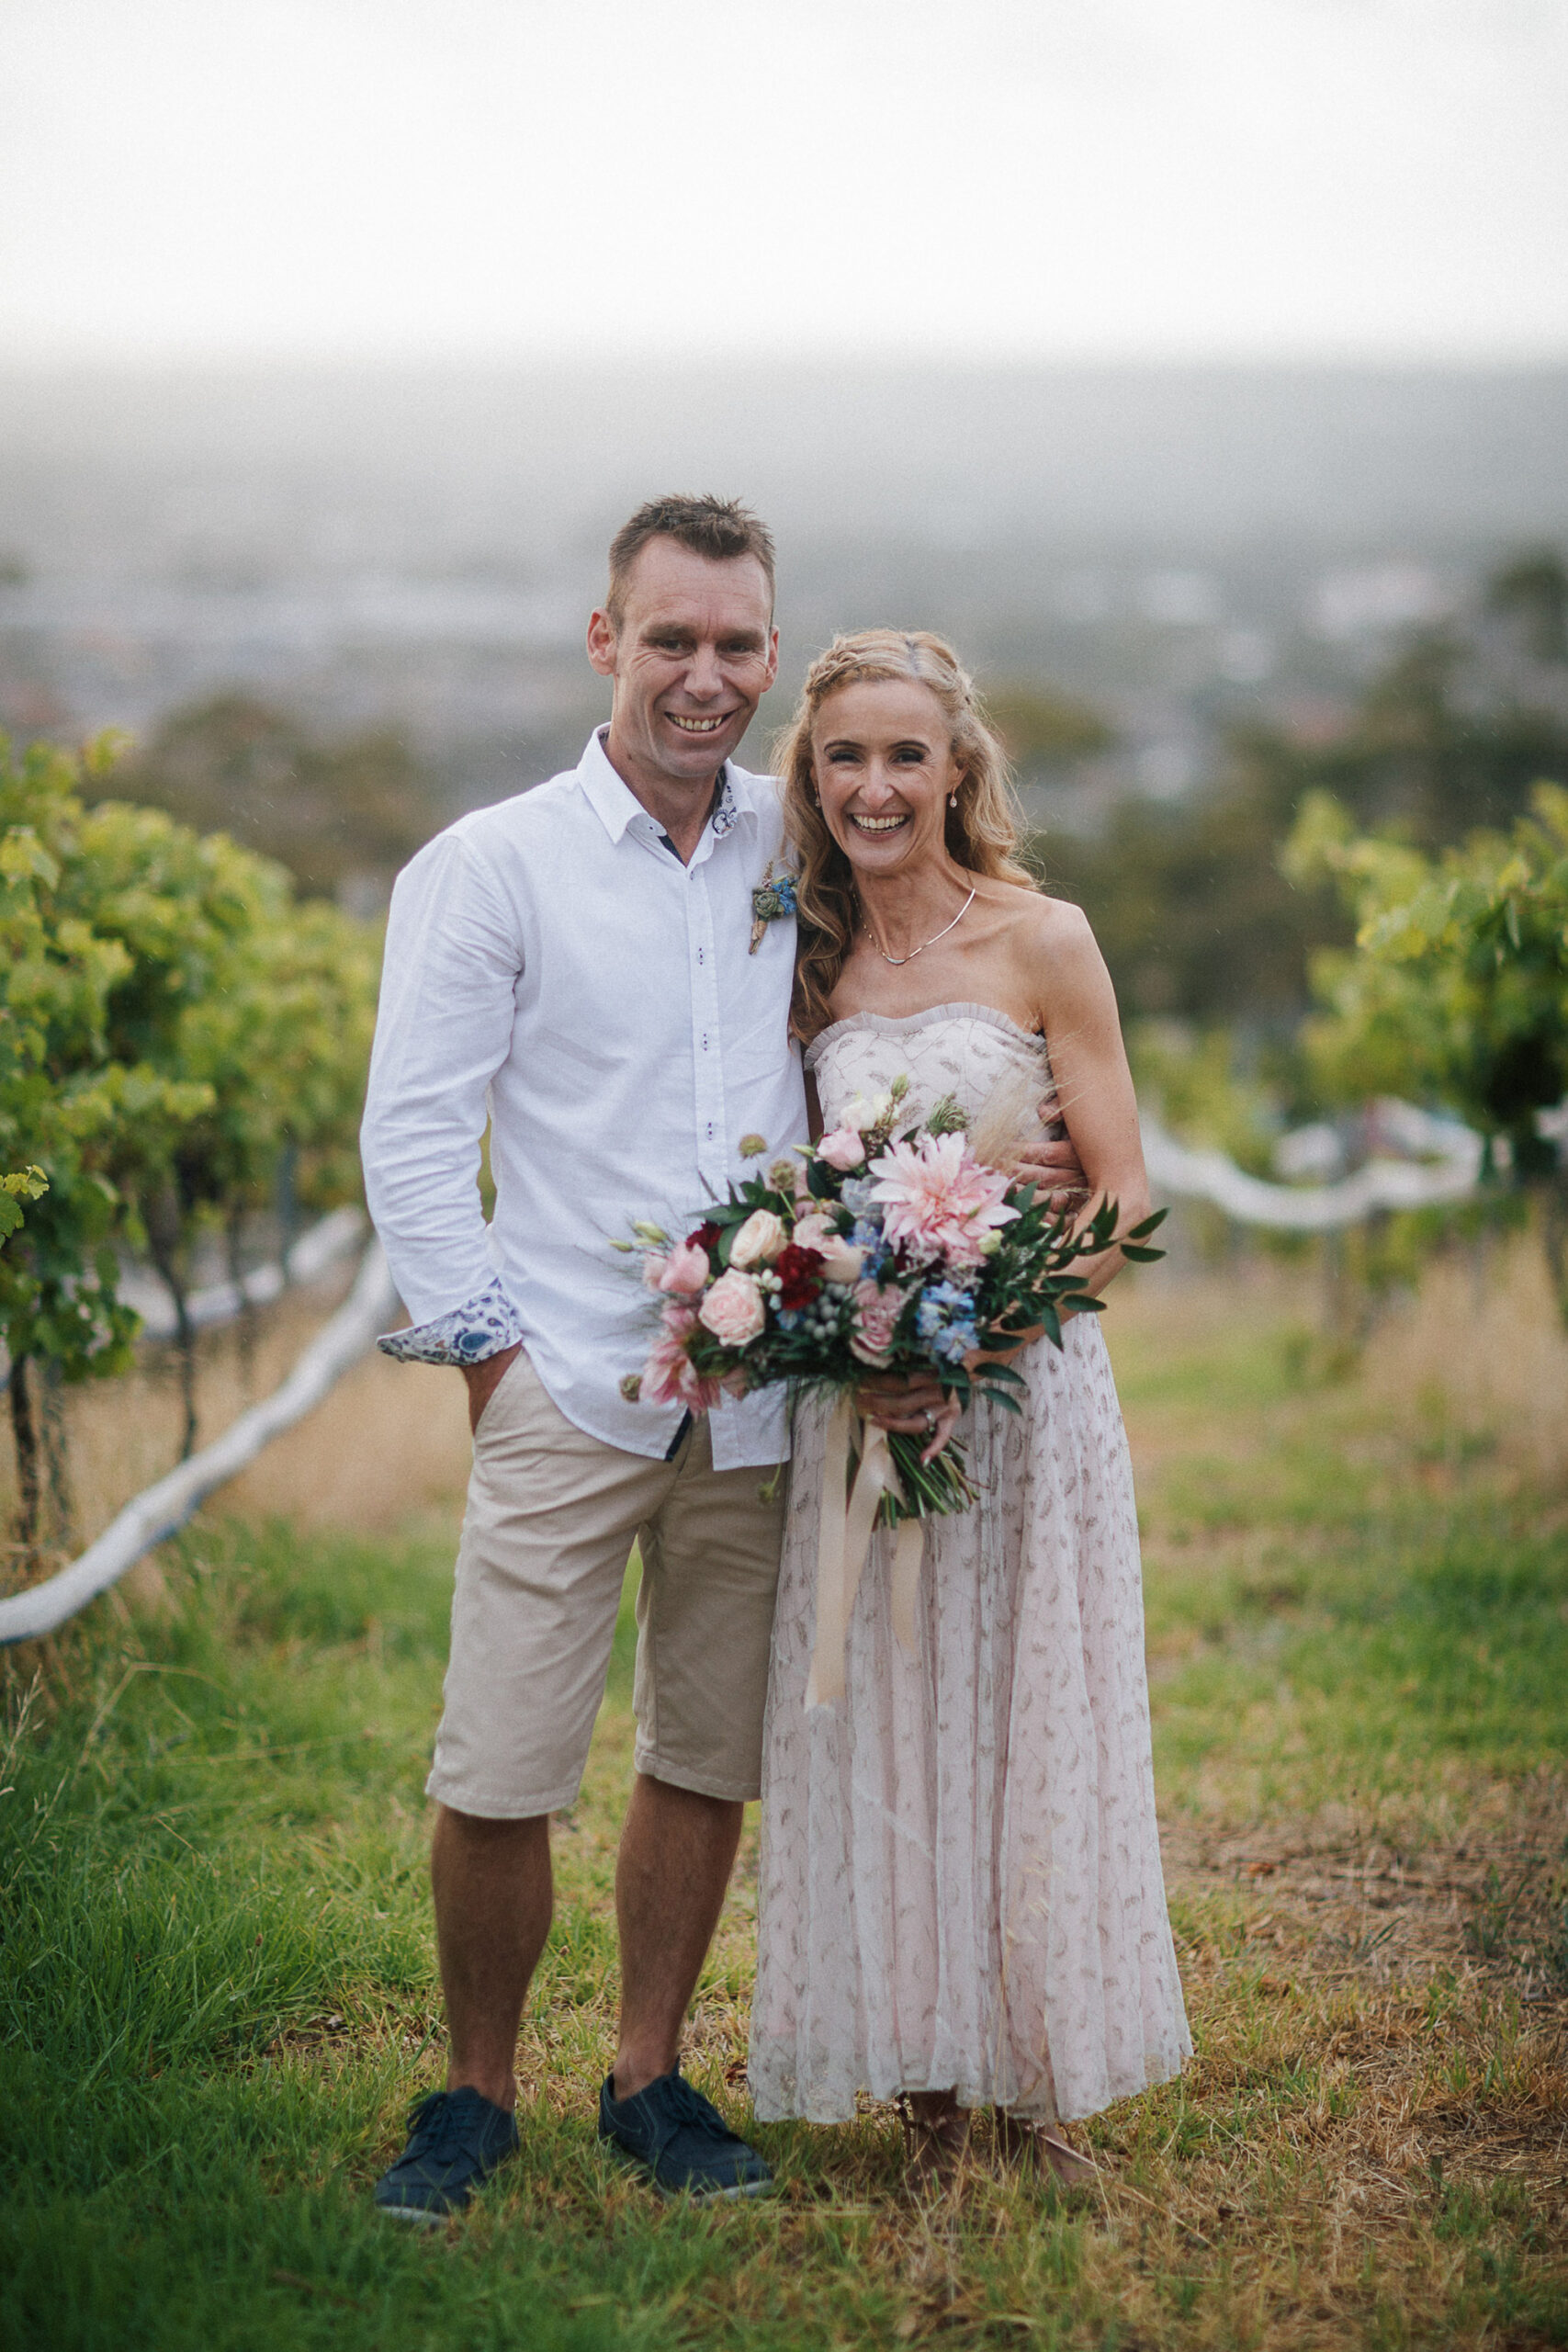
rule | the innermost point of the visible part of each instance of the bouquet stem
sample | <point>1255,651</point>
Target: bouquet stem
<point>930,1489</point>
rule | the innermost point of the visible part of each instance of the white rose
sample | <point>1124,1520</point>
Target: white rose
<point>733,1310</point>
<point>758,1241</point>
<point>863,1115</point>
<point>842,1262</point>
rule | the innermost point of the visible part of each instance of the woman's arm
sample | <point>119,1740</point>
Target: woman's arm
<point>1068,982</point>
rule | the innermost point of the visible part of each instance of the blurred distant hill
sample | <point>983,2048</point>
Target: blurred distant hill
<point>422,548</point>
<point>336,607</point>
<point>446,468</point>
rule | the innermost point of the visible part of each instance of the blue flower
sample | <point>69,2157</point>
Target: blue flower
<point>944,1320</point>
<point>939,1304</point>
<point>772,899</point>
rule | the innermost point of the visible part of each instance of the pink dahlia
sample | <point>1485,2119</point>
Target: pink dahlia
<point>939,1199</point>
<point>670,1378</point>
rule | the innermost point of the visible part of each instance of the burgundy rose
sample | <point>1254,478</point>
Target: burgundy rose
<point>800,1274</point>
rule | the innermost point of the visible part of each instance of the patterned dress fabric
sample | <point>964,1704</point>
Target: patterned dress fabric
<point>961,1881</point>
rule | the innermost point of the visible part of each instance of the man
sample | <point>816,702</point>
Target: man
<point>579,963</point>
<point>581,955</point>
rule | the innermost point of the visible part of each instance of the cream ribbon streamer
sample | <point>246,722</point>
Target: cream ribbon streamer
<point>844,1540</point>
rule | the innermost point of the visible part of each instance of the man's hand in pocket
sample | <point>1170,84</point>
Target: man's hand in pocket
<point>485,1378</point>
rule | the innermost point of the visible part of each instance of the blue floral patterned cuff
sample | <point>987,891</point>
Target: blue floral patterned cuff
<point>481,1326</point>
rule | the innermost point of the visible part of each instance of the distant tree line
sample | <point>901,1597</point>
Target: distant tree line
<point>342,813</point>
<point>1191,901</point>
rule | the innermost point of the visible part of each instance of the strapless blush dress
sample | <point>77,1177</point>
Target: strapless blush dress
<point>961,1884</point>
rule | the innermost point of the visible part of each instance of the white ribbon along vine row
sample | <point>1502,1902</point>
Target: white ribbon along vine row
<point>844,1540</point>
<point>315,1253</point>
<point>160,1509</point>
<point>1450,1172</point>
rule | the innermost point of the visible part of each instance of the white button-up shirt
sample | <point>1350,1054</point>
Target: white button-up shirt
<point>550,961</point>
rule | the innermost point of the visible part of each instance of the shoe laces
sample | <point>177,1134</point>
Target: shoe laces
<point>685,2104</point>
<point>439,2127</point>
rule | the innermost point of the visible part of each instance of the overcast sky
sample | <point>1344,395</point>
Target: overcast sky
<point>942,178</point>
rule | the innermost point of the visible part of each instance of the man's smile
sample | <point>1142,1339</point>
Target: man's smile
<point>698,726</point>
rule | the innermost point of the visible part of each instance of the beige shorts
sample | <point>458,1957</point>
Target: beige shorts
<point>552,1515</point>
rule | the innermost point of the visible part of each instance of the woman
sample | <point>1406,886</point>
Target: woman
<point>962,1904</point>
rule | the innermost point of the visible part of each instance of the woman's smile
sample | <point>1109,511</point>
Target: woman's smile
<point>882,753</point>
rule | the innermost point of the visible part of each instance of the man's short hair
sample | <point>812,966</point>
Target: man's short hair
<point>720,528</point>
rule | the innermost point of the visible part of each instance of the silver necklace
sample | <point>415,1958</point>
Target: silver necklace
<point>925,942</point>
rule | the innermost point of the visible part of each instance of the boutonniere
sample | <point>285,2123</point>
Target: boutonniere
<point>773,897</point>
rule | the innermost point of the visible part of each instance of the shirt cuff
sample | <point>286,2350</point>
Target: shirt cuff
<point>481,1326</point>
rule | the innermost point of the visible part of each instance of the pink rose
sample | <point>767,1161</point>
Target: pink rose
<point>733,1309</point>
<point>842,1262</point>
<point>843,1149</point>
<point>685,1270</point>
<point>876,1314</point>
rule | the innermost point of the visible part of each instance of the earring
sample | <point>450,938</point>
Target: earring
<point>952,799</point>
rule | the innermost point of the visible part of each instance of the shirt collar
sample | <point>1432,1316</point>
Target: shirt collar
<point>616,804</point>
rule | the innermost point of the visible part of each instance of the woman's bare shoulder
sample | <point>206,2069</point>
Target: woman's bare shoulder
<point>1057,957</point>
<point>1042,925</point>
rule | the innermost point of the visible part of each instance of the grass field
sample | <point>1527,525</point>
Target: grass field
<point>217,1988</point>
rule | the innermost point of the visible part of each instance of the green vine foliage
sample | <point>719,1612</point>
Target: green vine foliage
<point>21,1184</point>
<point>1457,988</point>
<point>173,1027</point>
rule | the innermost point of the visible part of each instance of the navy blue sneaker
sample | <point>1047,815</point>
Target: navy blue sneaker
<point>456,2140</point>
<point>680,2141</point>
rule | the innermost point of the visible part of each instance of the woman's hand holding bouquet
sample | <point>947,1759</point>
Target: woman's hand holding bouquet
<point>884,1249</point>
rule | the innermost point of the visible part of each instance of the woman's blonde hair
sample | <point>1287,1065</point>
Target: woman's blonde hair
<point>981,833</point>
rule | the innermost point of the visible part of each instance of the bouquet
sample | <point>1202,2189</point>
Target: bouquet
<point>882,1247</point>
